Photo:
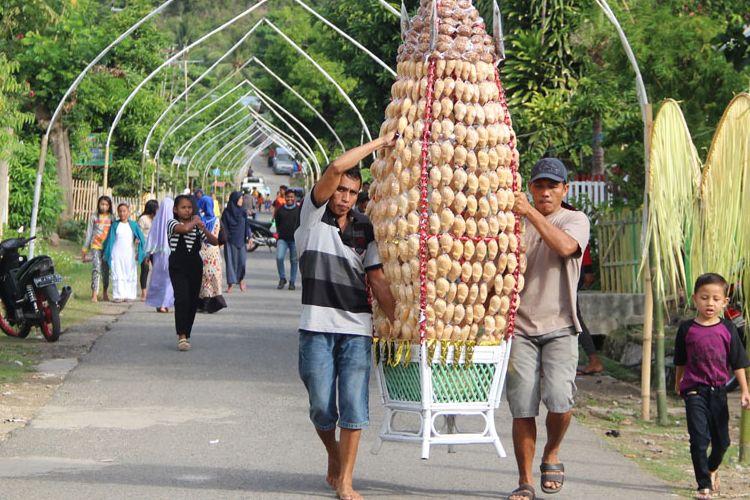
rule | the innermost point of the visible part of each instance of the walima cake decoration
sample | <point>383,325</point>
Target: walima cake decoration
<point>441,199</point>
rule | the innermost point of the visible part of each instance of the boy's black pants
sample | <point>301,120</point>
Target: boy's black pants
<point>708,422</point>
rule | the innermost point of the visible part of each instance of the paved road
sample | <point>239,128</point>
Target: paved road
<point>138,419</point>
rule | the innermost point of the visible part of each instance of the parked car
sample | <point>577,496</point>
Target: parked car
<point>283,162</point>
<point>257,182</point>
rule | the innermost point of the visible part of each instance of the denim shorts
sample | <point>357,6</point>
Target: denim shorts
<point>331,365</point>
<point>542,368</point>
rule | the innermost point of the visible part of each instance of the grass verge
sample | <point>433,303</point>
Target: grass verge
<point>19,356</point>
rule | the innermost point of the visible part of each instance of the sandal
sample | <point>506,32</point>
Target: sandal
<point>703,494</point>
<point>524,491</point>
<point>183,345</point>
<point>552,473</point>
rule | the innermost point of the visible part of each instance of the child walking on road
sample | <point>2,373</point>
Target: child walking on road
<point>186,231</point>
<point>145,221</point>
<point>96,233</point>
<point>706,350</point>
<point>123,257</point>
<point>160,293</point>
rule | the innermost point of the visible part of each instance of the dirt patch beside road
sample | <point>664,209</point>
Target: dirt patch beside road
<point>612,409</point>
<point>21,401</point>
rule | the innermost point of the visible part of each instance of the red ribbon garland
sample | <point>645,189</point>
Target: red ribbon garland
<point>517,228</point>
<point>423,204</point>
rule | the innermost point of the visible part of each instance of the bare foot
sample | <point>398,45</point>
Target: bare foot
<point>715,482</point>
<point>229,289</point>
<point>348,493</point>
<point>334,469</point>
<point>243,286</point>
<point>105,297</point>
<point>94,299</point>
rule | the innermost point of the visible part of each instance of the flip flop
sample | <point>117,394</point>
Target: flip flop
<point>703,494</point>
<point>583,372</point>
<point>525,490</point>
<point>547,476</point>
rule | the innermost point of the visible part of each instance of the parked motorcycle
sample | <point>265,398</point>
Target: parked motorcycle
<point>734,314</point>
<point>28,292</point>
<point>262,235</point>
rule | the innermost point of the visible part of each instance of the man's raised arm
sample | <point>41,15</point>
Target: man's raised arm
<point>330,179</point>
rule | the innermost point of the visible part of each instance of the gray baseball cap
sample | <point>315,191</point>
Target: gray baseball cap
<point>549,168</point>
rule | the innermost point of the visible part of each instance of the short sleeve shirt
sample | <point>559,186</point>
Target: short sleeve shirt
<point>708,353</point>
<point>333,264</point>
<point>190,237</point>
<point>548,300</point>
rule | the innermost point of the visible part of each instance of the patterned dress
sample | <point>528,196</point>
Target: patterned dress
<point>210,294</point>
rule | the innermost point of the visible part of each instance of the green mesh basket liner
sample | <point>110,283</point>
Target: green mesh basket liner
<point>450,383</point>
<point>403,382</point>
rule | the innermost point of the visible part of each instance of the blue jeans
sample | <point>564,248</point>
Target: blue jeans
<point>331,363</point>
<point>281,247</point>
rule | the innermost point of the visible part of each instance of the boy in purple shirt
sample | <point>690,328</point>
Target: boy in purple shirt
<point>705,351</point>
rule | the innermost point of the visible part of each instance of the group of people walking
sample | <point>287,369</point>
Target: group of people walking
<point>340,267</point>
<point>177,244</point>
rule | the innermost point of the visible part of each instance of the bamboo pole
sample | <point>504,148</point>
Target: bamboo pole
<point>648,292</point>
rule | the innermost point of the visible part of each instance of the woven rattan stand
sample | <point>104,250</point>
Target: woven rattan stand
<point>439,387</point>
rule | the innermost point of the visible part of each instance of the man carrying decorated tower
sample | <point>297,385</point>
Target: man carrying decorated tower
<point>338,259</point>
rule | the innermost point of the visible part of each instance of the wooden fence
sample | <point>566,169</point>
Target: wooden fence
<point>86,192</point>
<point>618,237</point>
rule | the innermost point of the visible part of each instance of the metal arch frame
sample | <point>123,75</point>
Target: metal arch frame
<point>299,96</point>
<point>238,141</point>
<point>316,65</point>
<point>218,61</point>
<point>58,109</point>
<point>325,73</point>
<point>206,107</point>
<point>350,39</point>
<point>147,79</point>
<point>265,99</point>
<point>266,142</point>
<point>302,148</point>
<point>201,151</point>
<point>287,142</point>
<point>308,9</point>
<point>210,126</point>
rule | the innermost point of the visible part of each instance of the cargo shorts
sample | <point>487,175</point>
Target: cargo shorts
<point>542,368</point>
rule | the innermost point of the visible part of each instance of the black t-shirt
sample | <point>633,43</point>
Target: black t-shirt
<point>287,221</point>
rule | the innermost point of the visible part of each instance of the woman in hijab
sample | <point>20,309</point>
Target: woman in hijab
<point>237,229</point>
<point>210,296</point>
<point>160,293</point>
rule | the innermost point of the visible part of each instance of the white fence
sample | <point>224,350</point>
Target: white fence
<point>595,188</point>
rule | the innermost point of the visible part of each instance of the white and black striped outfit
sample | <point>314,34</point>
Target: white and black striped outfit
<point>186,273</point>
<point>333,264</point>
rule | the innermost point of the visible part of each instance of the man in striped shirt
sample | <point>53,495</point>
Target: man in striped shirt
<point>338,260</point>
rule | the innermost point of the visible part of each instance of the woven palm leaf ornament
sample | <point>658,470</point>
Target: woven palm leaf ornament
<point>441,199</point>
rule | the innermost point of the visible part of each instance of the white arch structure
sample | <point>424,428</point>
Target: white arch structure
<point>291,42</point>
<point>58,109</point>
<point>117,41</point>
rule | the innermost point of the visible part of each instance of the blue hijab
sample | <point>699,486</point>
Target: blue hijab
<point>206,211</point>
